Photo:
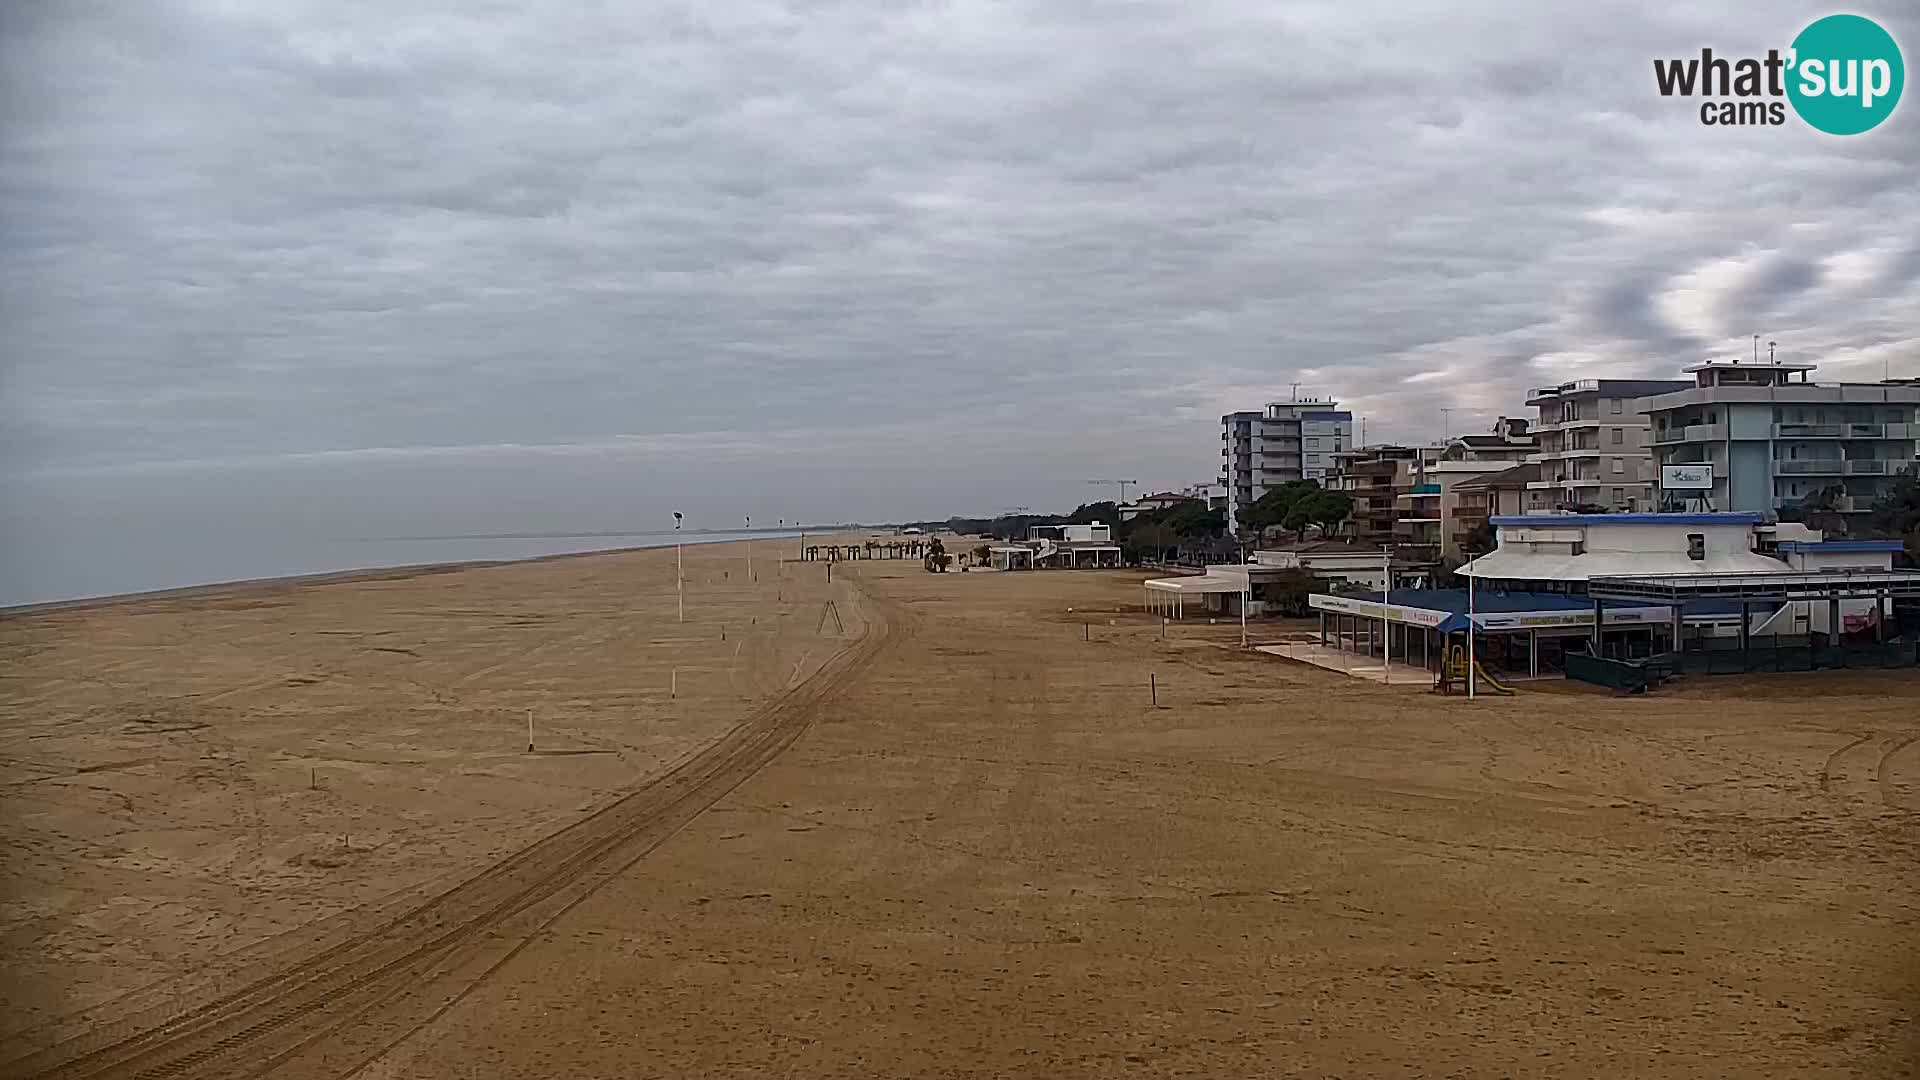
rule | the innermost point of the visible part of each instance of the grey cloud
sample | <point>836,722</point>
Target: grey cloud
<point>918,245</point>
<point>1785,278</point>
<point>1624,309</point>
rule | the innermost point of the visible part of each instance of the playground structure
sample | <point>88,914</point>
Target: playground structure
<point>872,549</point>
<point>1453,675</point>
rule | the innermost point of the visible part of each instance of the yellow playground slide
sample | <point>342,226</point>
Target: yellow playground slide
<point>1453,675</point>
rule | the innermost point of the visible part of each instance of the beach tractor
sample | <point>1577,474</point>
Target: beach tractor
<point>937,559</point>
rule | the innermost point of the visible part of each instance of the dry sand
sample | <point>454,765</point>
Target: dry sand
<point>966,846</point>
<point>199,772</point>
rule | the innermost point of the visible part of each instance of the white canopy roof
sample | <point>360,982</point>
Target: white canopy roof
<point>1206,583</point>
<point>1528,566</point>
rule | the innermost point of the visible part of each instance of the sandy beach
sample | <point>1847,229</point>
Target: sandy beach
<point>197,773</point>
<point>298,829</point>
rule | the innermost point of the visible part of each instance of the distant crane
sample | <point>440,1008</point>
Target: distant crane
<point>1122,484</point>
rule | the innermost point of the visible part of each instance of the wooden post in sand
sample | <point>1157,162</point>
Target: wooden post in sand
<point>529,731</point>
<point>1153,691</point>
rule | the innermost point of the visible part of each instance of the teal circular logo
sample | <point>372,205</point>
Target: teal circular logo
<point>1846,74</point>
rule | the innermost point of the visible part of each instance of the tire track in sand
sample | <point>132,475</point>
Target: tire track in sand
<point>1880,768</point>
<point>334,1012</point>
<point>1826,768</point>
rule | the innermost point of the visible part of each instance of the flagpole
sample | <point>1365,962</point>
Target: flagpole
<point>749,549</point>
<point>679,572</point>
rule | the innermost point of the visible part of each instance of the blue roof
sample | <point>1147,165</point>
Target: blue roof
<point>1841,546</point>
<point>1489,602</point>
<point>1548,521</point>
<point>1493,603</point>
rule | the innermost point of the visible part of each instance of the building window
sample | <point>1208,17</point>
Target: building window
<point>1619,496</point>
<point>1697,546</point>
<point>1618,406</point>
<point>1619,466</point>
<point>1619,436</point>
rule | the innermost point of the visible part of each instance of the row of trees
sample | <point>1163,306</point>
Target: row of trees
<point>1294,506</point>
<point>1898,515</point>
<point>1185,528</point>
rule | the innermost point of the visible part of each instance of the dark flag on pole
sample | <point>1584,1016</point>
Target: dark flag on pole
<point>676,519</point>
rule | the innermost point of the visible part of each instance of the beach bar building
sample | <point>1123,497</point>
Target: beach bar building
<point>1710,592</point>
<point>1059,547</point>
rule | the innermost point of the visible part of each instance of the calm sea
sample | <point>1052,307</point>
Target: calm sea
<point>83,565</point>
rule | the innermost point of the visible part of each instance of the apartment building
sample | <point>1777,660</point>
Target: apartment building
<point>1430,512</point>
<point>1479,499</point>
<point>1778,441</point>
<point>1596,448</point>
<point>1374,477</point>
<point>1288,440</point>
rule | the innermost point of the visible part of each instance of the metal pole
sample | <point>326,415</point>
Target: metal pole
<point>1246,598</point>
<point>749,548</point>
<point>679,571</point>
<point>529,731</point>
<point>1746,637</point>
<point>1470,653</point>
<point>1386,590</point>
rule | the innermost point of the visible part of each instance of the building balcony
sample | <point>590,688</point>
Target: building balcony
<point>1567,483</point>
<point>1875,466</point>
<point>1837,431</point>
<point>1840,467</point>
<point>1844,504</point>
<point>1689,433</point>
<point>1568,452</point>
<point>1814,467</point>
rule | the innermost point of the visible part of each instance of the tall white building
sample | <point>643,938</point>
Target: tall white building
<point>1289,440</point>
<point>1778,442</point>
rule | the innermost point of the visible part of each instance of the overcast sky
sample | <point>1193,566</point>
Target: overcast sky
<point>570,261</point>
